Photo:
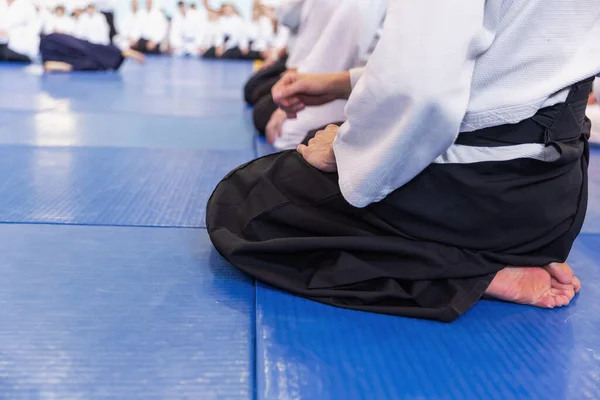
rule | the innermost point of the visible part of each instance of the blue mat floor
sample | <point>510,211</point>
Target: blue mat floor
<point>111,289</point>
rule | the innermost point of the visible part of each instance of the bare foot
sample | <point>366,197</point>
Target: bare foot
<point>136,55</point>
<point>57,66</point>
<point>548,287</point>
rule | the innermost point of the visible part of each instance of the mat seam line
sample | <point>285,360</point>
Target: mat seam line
<point>103,225</point>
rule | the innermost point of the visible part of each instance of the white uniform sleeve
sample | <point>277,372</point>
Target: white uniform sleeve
<point>355,75</point>
<point>407,108</point>
<point>353,23</point>
<point>288,13</point>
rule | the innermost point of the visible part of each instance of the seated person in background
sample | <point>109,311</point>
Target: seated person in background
<point>153,30</point>
<point>274,64</point>
<point>107,8</point>
<point>260,32</point>
<point>92,26</point>
<point>59,22</point>
<point>308,19</point>
<point>185,31</point>
<point>460,172</point>
<point>130,27</point>
<point>43,16</point>
<point>198,16</point>
<point>19,35</point>
<point>208,33</point>
<point>279,45</point>
<point>76,14</point>
<point>347,42</point>
<point>65,53</point>
<point>231,40</point>
<point>288,15</point>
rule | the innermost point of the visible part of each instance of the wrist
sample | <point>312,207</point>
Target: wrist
<point>340,85</point>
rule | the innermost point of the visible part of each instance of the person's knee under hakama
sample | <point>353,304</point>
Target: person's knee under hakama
<point>262,112</point>
<point>270,74</point>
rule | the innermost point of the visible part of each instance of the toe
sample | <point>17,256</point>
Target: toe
<point>561,272</point>
<point>563,297</point>
<point>561,286</point>
<point>562,301</point>
<point>548,300</point>
<point>576,284</point>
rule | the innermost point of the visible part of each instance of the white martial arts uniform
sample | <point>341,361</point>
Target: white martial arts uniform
<point>209,34</point>
<point>289,13</point>
<point>184,36</point>
<point>20,22</point>
<point>415,96</point>
<point>281,39</point>
<point>93,28</point>
<point>154,25</point>
<point>593,113</point>
<point>261,33</point>
<point>43,17</point>
<point>130,29</point>
<point>63,24</point>
<point>314,17</point>
<point>345,43</point>
<point>233,27</point>
<point>199,16</point>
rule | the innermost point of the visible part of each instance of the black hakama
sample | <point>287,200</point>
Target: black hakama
<point>110,20</point>
<point>263,110</point>
<point>142,47</point>
<point>236,54</point>
<point>210,53</point>
<point>429,249</point>
<point>8,55</point>
<point>261,82</point>
<point>80,54</point>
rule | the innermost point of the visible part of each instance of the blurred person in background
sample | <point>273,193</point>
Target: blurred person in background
<point>208,34</point>
<point>260,32</point>
<point>232,40</point>
<point>19,31</point>
<point>92,26</point>
<point>107,8</point>
<point>153,29</point>
<point>130,27</point>
<point>185,31</point>
<point>60,22</point>
<point>65,53</point>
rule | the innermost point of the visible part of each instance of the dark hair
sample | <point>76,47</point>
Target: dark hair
<point>180,3</point>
